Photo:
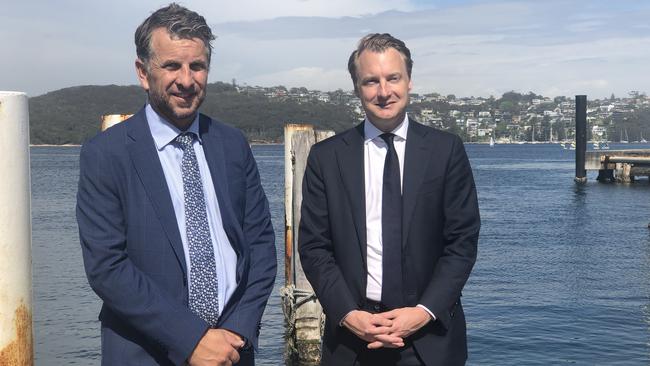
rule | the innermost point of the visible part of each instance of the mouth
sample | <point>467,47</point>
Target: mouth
<point>384,105</point>
<point>184,99</point>
<point>184,95</point>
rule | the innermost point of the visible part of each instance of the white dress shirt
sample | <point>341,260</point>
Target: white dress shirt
<point>374,156</point>
<point>171,156</point>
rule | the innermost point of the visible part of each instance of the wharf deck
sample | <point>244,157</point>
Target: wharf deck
<point>619,165</point>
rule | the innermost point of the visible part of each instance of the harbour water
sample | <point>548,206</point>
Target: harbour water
<point>562,277</point>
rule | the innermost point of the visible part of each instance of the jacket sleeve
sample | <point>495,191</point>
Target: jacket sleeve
<point>260,239</point>
<point>460,233</point>
<point>124,289</point>
<point>315,245</point>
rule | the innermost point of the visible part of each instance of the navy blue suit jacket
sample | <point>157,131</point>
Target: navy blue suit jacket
<point>440,227</point>
<point>132,249</point>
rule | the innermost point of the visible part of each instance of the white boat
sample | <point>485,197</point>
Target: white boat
<point>491,141</point>
<point>624,141</point>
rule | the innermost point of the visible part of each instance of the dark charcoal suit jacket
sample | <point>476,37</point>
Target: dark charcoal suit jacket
<point>132,248</point>
<point>440,226</point>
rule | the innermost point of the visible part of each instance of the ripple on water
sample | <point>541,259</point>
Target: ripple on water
<point>562,276</point>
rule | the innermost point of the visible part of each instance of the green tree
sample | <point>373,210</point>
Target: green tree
<point>509,107</point>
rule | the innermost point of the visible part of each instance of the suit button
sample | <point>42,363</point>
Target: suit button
<point>376,308</point>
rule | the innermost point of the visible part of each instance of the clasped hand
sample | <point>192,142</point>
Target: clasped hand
<point>386,329</point>
<point>217,347</point>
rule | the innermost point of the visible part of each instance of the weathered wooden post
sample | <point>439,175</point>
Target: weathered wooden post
<point>110,120</point>
<point>303,313</point>
<point>581,138</point>
<point>289,131</point>
<point>16,340</point>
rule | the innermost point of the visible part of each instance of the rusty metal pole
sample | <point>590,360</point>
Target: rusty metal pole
<point>581,138</point>
<point>16,340</point>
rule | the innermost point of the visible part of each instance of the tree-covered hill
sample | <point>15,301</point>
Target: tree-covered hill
<point>72,115</point>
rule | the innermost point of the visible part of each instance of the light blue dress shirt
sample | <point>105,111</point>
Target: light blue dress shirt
<point>171,155</point>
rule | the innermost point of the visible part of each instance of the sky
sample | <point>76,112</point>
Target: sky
<point>461,47</point>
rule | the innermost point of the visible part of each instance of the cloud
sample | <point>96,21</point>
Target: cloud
<point>321,79</point>
<point>464,47</point>
<point>473,49</point>
<point>588,26</point>
<point>254,10</point>
<point>597,68</point>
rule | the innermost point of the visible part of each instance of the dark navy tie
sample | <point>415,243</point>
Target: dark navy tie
<point>391,229</point>
<point>204,300</point>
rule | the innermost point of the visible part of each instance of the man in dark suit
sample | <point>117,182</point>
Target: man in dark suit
<point>389,227</point>
<point>174,225</point>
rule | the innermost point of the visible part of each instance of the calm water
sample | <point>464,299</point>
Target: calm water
<point>563,274</point>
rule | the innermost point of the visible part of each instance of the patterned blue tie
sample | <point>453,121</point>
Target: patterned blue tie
<point>204,301</point>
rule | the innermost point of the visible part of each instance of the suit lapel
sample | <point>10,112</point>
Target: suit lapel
<point>350,161</point>
<point>416,159</point>
<point>144,156</point>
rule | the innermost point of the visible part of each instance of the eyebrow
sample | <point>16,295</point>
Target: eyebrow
<point>374,77</point>
<point>176,62</point>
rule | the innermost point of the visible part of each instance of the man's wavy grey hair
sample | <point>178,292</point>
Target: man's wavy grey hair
<point>180,22</point>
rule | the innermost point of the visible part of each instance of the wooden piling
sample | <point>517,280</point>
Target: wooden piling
<point>622,166</point>
<point>110,120</point>
<point>303,313</point>
<point>289,131</point>
<point>581,138</point>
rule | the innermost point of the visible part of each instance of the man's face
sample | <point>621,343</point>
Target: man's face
<point>383,86</point>
<point>176,77</point>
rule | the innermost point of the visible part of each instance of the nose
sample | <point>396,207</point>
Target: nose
<point>185,78</point>
<point>384,90</point>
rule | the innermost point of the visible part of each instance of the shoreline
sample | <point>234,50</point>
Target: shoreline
<point>54,145</point>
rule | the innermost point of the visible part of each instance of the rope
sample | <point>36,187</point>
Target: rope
<point>292,299</point>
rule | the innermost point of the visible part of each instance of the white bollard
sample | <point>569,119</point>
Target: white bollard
<point>16,342</point>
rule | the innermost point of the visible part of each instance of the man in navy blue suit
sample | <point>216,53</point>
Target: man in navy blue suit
<point>175,227</point>
<point>389,228</point>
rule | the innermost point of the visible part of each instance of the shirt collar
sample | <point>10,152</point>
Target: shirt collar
<point>163,131</point>
<point>371,132</point>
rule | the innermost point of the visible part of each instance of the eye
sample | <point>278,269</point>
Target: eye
<point>171,66</point>
<point>369,82</point>
<point>198,66</point>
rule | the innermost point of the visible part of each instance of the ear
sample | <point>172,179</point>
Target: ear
<point>356,88</point>
<point>141,70</point>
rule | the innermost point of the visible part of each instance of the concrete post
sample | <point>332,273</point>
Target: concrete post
<point>16,342</point>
